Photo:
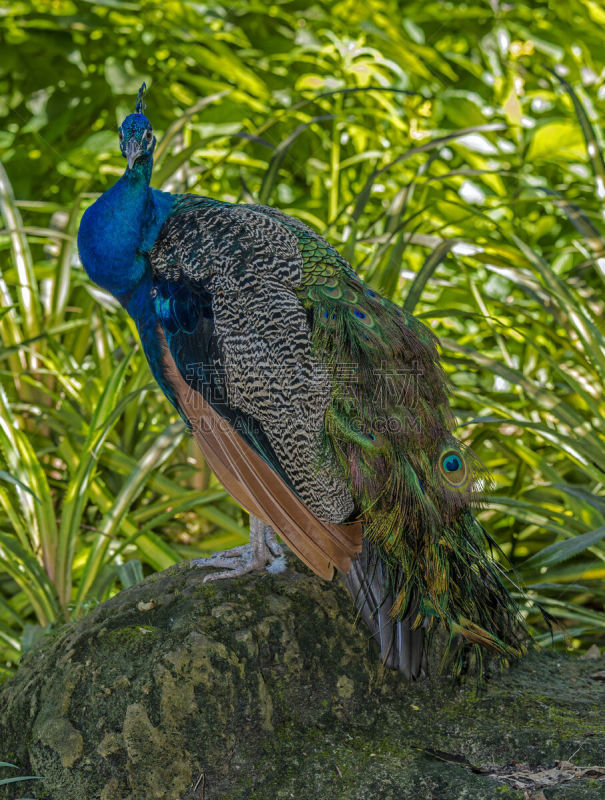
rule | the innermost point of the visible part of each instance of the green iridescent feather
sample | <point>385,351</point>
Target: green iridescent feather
<point>389,426</point>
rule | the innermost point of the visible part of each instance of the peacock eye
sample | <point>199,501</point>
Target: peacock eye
<point>149,135</point>
<point>120,133</point>
<point>454,469</point>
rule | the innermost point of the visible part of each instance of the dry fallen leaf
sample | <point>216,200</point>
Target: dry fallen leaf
<point>528,779</point>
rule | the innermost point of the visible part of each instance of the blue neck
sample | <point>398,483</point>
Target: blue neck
<point>119,227</point>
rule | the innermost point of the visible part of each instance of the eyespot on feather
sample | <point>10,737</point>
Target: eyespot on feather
<point>363,317</point>
<point>328,317</point>
<point>453,468</point>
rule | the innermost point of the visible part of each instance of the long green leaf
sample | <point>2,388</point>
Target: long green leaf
<point>27,288</point>
<point>159,451</point>
<point>561,551</point>
<point>77,491</point>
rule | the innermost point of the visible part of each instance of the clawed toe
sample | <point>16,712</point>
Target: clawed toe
<point>226,556</point>
<point>272,544</point>
<point>216,563</point>
<point>242,569</point>
<point>236,566</point>
<point>263,552</point>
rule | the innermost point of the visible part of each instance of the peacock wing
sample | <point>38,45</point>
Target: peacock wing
<point>238,336</point>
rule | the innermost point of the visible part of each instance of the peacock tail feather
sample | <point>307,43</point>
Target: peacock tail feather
<point>389,427</point>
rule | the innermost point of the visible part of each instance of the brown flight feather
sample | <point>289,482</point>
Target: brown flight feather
<point>257,488</point>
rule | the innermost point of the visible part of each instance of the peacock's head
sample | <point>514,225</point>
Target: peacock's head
<point>136,134</point>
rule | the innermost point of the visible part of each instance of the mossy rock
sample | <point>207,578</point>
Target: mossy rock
<point>265,688</point>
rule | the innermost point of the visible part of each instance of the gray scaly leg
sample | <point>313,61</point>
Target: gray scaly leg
<point>263,552</point>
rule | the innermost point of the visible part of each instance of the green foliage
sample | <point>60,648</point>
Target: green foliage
<point>428,141</point>
<point>6,781</point>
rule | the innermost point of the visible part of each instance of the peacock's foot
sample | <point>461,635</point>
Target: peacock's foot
<point>263,552</point>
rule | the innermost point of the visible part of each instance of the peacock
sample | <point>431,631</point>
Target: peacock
<point>320,405</point>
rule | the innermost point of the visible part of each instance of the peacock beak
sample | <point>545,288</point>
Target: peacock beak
<point>132,151</point>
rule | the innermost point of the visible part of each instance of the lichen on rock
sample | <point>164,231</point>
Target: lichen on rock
<point>266,688</point>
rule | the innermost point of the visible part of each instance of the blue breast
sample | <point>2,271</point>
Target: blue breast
<point>118,229</point>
